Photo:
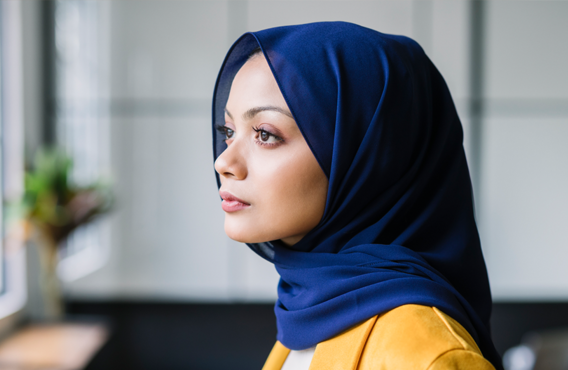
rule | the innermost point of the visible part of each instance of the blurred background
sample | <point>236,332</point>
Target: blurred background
<point>124,88</point>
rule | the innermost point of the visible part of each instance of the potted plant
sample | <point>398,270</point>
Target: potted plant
<point>51,208</point>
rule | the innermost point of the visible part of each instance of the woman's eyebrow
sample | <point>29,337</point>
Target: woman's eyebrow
<point>249,114</point>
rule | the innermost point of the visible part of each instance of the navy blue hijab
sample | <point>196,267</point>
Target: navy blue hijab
<point>398,227</point>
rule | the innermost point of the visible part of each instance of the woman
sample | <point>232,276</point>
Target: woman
<point>339,158</point>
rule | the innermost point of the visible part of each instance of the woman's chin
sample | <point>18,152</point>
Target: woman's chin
<point>241,234</point>
<point>255,232</point>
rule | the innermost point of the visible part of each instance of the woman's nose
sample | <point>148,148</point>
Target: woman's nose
<point>231,163</point>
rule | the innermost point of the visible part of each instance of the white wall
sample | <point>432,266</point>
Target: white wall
<point>167,239</point>
<point>523,209</point>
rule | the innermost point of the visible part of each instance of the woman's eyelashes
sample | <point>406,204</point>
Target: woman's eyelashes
<point>266,138</point>
<point>227,131</point>
<point>262,136</point>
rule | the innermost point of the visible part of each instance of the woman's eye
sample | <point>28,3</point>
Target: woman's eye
<point>266,137</point>
<point>229,133</point>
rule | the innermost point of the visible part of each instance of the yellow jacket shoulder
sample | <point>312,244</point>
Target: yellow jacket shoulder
<point>407,337</point>
<point>420,337</point>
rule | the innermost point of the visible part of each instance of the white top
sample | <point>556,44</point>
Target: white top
<point>299,360</point>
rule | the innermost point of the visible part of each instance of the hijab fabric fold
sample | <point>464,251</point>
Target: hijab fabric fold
<point>398,227</point>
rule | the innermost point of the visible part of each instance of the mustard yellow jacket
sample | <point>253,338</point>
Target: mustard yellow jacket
<point>407,337</point>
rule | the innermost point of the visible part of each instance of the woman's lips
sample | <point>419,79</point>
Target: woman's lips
<point>231,203</point>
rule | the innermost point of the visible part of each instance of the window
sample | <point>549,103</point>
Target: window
<point>12,253</point>
<point>81,118</point>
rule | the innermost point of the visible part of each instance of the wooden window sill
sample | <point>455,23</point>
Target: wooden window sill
<point>61,346</point>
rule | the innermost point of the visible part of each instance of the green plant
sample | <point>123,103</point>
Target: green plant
<point>53,204</point>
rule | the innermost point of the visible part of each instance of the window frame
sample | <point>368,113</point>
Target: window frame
<point>13,295</point>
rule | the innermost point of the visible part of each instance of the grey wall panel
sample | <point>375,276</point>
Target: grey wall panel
<point>168,238</point>
<point>167,232</point>
<point>384,16</point>
<point>526,50</point>
<point>167,49</point>
<point>524,207</point>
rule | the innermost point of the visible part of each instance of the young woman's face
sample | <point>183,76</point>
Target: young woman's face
<point>271,184</point>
